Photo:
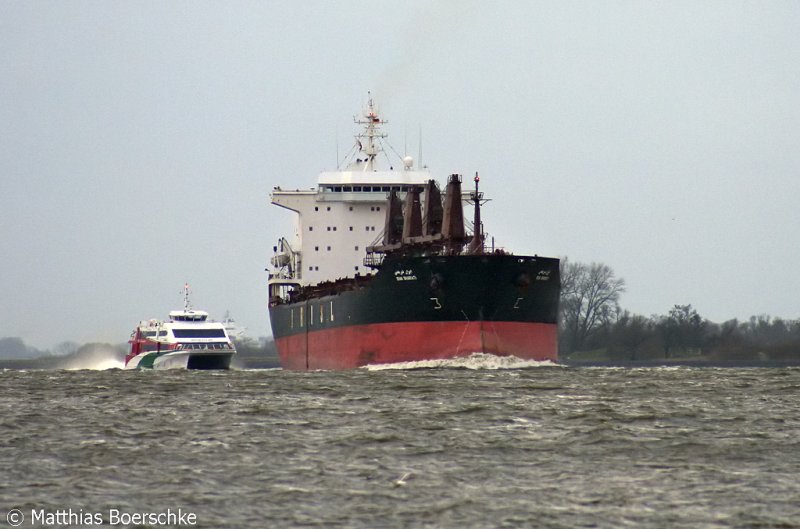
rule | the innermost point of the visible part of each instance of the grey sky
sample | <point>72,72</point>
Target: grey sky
<point>139,142</point>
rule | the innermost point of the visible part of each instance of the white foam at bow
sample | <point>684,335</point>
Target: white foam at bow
<point>473,361</point>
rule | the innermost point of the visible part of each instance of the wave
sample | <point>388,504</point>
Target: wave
<point>474,361</point>
<point>97,357</point>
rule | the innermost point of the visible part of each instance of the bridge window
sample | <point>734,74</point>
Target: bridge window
<point>199,333</point>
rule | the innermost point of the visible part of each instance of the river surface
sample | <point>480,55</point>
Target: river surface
<point>476,443</point>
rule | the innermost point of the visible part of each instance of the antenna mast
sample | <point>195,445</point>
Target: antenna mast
<point>372,124</point>
<point>186,304</point>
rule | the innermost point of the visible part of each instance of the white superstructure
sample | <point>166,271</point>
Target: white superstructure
<point>343,215</point>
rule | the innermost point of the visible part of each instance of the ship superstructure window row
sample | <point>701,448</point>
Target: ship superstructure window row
<point>199,333</point>
<point>191,317</point>
<point>366,189</point>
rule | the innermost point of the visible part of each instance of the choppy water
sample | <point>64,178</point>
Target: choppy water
<point>447,446</point>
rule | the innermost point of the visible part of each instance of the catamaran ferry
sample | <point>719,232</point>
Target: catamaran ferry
<point>188,340</point>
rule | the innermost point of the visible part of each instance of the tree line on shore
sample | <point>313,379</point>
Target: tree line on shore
<point>593,325</point>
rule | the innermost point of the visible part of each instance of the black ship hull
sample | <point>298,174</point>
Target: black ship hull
<point>422,308</point>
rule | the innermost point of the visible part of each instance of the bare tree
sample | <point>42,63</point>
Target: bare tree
<point>589,299</point>
<point>682,330</point>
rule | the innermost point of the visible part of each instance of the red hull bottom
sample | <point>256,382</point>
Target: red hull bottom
<point>385,343</point>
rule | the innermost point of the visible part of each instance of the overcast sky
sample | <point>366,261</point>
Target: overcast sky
<point>139,142</point>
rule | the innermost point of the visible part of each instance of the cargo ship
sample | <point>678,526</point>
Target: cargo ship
<point>383,267</point>
<point>187,340</point>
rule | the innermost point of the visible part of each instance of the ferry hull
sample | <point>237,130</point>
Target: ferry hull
<point>181,360</point>
<point>425,308</point>
<point>355,346</point>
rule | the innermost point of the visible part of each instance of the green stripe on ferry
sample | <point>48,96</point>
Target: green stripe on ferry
<point>148,360</point>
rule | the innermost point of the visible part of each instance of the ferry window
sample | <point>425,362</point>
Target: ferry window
<point>162,333</point>
<point>356,269</point>
<point>395,188</point>
<point>357,188</point>
<point>199,333</point>
<point>351,228</point>
<point>356,248</point>
<point>329,228</point>
<point>372,208</point>
<point>329,248</point>
<point>338,189</point>
<point>310,268</point>
<point>386,188</point>
<point>378,208</point>
<point>316,269</point>
<point>334,228</point>
<point>351,208</point>
<point>316,208</point>
<point>329,208</point>
<point>311,228</point>
<point>316,248</point>
<point>373,228</point>
<point>347,189</point>
<point>367,228</point>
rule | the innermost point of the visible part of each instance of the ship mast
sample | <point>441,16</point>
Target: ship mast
<point>476,245</point>
<point>186,305</point>
<point>372,123</point>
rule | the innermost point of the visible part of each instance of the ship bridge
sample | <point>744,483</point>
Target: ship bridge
<point>345,213</point>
